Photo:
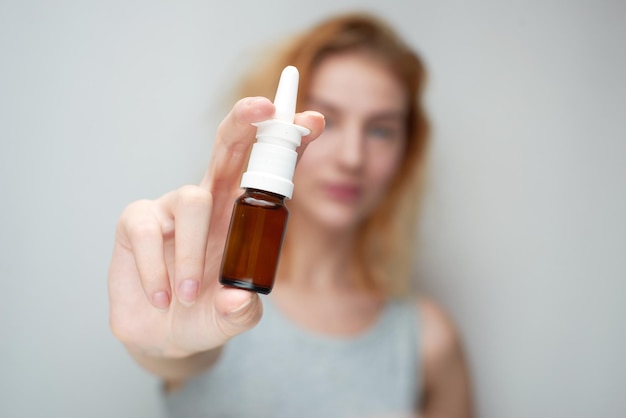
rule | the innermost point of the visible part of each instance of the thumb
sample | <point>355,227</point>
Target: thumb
<point>237,310</point>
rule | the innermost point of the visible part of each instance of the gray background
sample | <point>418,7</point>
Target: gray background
<point>102,103</point>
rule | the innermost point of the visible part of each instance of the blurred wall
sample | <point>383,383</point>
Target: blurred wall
<point>103,103</point>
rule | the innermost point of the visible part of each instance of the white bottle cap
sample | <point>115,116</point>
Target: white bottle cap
<point>273,158</point>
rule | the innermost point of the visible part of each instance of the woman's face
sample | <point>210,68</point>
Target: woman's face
<point>343,175</point>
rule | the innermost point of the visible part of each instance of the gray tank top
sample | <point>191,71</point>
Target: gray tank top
<point>280,370</point>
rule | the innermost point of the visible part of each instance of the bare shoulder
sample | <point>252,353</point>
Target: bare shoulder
<point>440,336</point>
<point>445,371</point>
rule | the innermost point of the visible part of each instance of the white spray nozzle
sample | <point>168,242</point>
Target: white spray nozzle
<point>281,127</point>
<point>273,158</point>
<point>286,94</point>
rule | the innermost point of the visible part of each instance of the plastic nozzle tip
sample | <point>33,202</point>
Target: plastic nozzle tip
<point>286,94</point>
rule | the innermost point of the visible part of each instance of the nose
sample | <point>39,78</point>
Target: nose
<point>351,148</point>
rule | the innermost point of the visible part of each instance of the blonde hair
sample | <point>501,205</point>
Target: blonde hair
<point>386,241</point>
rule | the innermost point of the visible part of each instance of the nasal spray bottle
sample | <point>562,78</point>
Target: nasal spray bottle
<point>259,220</point>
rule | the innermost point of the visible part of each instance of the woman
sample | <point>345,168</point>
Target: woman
<point>340,334</point>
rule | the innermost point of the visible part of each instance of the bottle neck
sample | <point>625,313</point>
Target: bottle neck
<point>265,195</point>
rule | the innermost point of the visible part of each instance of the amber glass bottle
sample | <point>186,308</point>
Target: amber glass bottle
<point>255,238</point>
<point>259,218</point>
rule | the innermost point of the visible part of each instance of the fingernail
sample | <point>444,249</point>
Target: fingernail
<point>240,308</point>
<point>161,300</point>
<point>314,113</point>
<point>254,100</point>
<point>188,291</point>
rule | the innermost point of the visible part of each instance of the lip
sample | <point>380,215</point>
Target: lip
<point>343,192</point>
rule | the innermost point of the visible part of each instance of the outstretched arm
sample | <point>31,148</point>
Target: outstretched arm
<point>166,304</point>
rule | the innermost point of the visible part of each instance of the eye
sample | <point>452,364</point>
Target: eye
<point>381,132</point>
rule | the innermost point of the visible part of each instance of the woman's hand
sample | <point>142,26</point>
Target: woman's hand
<point>165,297</point>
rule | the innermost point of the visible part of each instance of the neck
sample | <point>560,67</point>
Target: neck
<point>315,258</point>
<point>319,281</point>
